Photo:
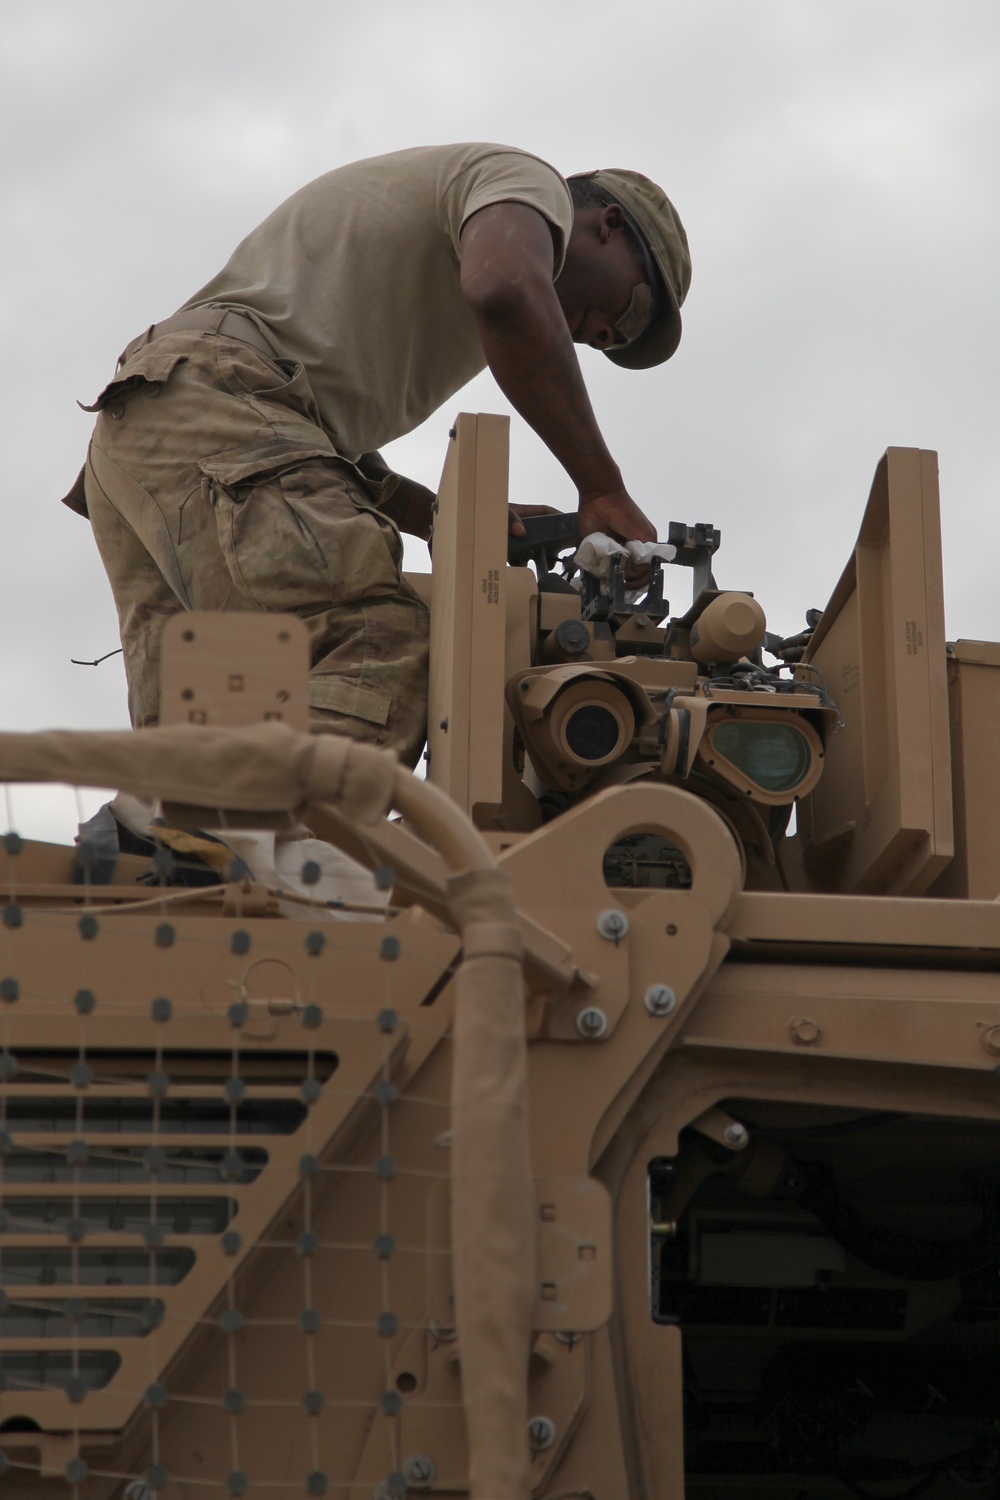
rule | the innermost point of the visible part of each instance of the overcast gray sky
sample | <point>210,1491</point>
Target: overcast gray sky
<point>836,164</point>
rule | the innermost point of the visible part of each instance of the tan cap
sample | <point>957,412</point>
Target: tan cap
<point>656,219</point>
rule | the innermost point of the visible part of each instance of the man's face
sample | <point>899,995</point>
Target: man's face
<point>599,277</point>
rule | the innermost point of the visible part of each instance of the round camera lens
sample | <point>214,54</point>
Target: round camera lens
<point>592,732</point>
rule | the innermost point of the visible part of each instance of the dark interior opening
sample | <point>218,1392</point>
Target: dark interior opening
<point>837,1284</point>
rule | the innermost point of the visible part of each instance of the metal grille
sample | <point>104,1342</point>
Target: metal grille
<point>223,1207</point>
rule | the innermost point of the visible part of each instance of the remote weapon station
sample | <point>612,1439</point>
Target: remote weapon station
<point>612,1136</point>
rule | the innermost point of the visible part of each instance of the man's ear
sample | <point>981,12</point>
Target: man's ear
<point>612,218</point>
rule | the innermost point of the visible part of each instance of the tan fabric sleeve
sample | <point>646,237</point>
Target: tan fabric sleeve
<point>493,1201</point>
<point>510,177</point>
<point>265,767</point>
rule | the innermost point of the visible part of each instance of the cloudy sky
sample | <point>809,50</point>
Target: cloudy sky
<point>836,163</point>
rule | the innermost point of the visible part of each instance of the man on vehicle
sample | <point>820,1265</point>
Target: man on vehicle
<point>234,463</point>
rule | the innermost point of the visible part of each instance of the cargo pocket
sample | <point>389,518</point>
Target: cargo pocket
<point>340,695</point>
<point>150,367</point>
<point>297,528</point>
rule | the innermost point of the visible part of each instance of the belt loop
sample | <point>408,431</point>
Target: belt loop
<point>139,343</point>
<point>219,316</point>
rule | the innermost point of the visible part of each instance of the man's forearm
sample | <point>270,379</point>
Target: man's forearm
<point>532,357</point>
<point>506,272</point>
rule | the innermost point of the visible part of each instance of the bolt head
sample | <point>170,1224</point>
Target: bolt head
<point>736,1135</point>
<point>659,1000</point>
<point>420,1471</point>
<point>612,924</point>
<point>592,1023</point>
<point>541,1433</point>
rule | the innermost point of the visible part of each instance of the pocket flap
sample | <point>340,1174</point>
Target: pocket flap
<point>153,364</point>
<point>274,456</point>
<point>345,697</point>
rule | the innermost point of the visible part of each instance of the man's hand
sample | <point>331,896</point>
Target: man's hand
<point>411,506</point>
<point>618,516</point>
<point>405,501</point>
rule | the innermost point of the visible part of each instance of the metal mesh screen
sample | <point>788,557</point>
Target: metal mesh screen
<point>224,1250</point>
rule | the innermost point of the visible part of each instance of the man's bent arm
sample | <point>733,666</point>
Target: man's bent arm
<point>506,274</point>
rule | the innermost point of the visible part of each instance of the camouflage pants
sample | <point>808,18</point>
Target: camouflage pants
<point>211,484</point>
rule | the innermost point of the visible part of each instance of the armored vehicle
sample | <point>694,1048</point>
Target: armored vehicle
<point>631,1126</point>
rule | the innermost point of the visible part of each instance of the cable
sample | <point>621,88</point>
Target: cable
<point>96,663</point>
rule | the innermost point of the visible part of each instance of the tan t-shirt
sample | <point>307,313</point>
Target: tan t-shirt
<point>356,277</point>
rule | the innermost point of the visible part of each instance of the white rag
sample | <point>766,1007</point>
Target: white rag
<point>595,552</point>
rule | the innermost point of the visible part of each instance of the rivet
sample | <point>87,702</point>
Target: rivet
<point>736,1135</point>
